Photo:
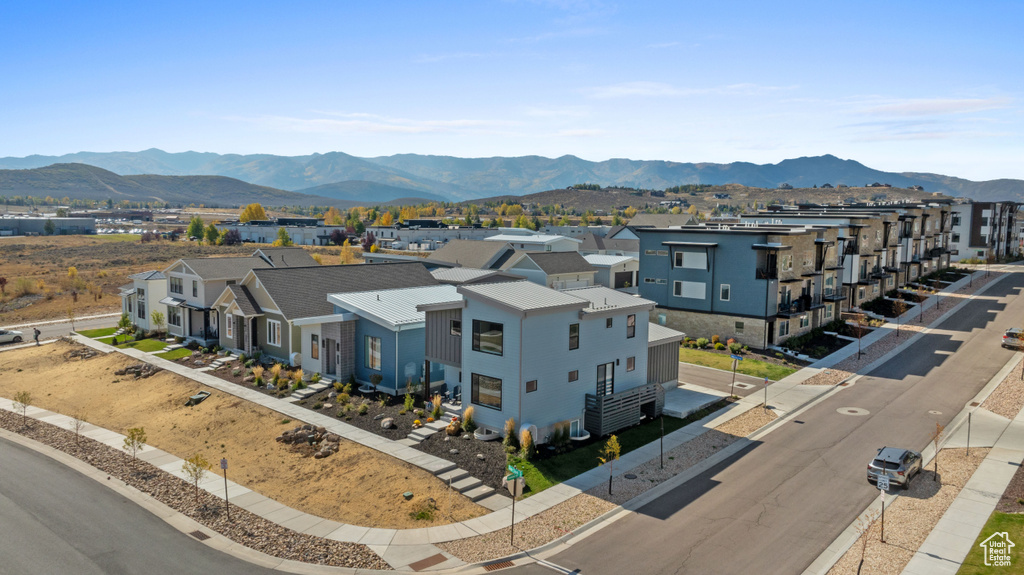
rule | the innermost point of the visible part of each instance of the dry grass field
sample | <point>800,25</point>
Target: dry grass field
<point>357,485</point>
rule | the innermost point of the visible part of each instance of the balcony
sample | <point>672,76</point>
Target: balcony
<point>935,252</point>
<point>767,274</point>
<point>879,272</point>
<point>792,308</point>
<point>852,248</point>
<point>830,294</point>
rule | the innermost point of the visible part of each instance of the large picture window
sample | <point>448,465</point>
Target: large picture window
<point>273,332</point>
<point>174,316</point>
<point>487,337</point>
<point>486,391</point>
<point>574,336</point>
<point>372,352</point>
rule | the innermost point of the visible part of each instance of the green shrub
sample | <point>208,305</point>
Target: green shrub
<point>343,398</point>
<point>735,347</point>
<point>363,408</point>
<point>316,377</point>
<point>719,346</point>
<point>236,372</point>
<point>702,342</point>
<point>511,441</point>
<point>318,405</point>
<point>410,402</point>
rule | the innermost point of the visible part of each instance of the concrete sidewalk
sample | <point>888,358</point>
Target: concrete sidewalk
<point>953,536</point>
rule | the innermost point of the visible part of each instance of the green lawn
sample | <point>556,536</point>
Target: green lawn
<point>747,366</point>
<point>543,473</point>
<point>176,353</point>
<point>147,345</point>
<point>1012,524</point>
<point>97,333</point>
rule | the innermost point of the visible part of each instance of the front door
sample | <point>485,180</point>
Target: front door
<point>330,356</point>
<point>253,340</point>
<point>605,379</point>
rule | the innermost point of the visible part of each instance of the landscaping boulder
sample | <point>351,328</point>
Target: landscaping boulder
<point>387,423</point>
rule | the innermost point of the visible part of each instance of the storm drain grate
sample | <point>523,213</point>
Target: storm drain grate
<point>199,535</point>
<point>498,565</point>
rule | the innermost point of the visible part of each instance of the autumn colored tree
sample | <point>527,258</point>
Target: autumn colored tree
<point>369,240</point>
<point>347,253</point>
<point>283,239</point>
<point>386,219</point>
<point>252,212</point>
<point>333,217</point>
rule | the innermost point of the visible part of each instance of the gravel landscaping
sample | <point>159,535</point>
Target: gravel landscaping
<point>533,532</point>
<point>910,519</point>
<point>490,469</point>
<point>1007,399</point>
<point>1012,500</point>
<point>244,527</point>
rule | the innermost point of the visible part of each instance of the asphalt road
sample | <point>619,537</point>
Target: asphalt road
<point>718,380</point>
<point>54,330</point>
<point>53,520</point>
<point>775,506</point>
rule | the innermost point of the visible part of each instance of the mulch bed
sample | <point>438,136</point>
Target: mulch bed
<point>491,469</point>
<point>244,527</point>
<point>1013,496</point>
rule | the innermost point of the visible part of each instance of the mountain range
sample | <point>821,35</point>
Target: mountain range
<point>343,177</point>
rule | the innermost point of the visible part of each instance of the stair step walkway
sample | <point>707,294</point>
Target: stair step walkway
<point>453,475</point>
<point>466,484</point>
<point>478,493</point>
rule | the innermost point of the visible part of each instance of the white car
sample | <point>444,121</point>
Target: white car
<point>10,336</point>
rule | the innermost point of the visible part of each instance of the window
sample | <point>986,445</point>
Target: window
<point>804,321</point>
<point>273,332</point>
<point>630,325</point>
<point>487,337</point>
<point>650,252</point>
<point>314,346</point>
<point>878,235</point>
<point>175,285</point>
<point>141,293</point>
<point>724,292</point>
<point>662,252</point>
<point>787,262</point>
<point>739,327</point>
<point>371,352</point>
<point>630,363</point>
<point>956,238</point>
<point>984,222</point>
<point>607,322</point>
<point>531,386</point>
<point>129,306</point>
<point>695,290</point>
<point>783,328</point>
<point>195,288</point>
<point>679,260</point>
<point>828,311</point>
<point>229,330</point>
<point>606,379</point>
<point>691,260</point>
<point>574,336</point>
<point>650,280</point>
<point>860,294</point>
<point>455,327</point>
<point>956,219</point>
<point>174,316</point>
<point>142,309</point>
<point>486,391</point>
<point>574,375</point>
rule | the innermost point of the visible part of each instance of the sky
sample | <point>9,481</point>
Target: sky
<point>899,86</point>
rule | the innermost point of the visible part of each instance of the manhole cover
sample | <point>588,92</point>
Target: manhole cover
<point>630,476</point>
<point>744,385</point>
<point>852,411</point>
<point>933,412</point>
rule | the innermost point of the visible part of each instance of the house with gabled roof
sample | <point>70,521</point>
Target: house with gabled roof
<point>537,242</point>
<point>141,297</point>
<point>616,272</point>
<point>587,359</point>
<point>283,311</point>
<point>460,276</point>
<point>194,284</point>
<point>556,270</point>
<point>477,254</point>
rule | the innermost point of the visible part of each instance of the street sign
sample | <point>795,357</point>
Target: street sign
<point>736,357</point>
<point>223,463</point>
<point>883,482</point>
<point>513,473</point>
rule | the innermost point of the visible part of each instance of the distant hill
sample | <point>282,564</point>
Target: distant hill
<point>458,179</point>
<point>369,193</point>
<point>79,181</point>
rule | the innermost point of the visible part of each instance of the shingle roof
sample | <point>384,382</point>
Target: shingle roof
<point>661,220</point>
<point>149,275</point>
<point>593,243</point>
<point>302,292</point>
<point>224,268</point>
<point>395,307</point>
<point>290,257</point>
<point>600,298</point>
<point>470,253</point>
<point>522,296</point>
<point>244,300</point>
<point>556,262</point>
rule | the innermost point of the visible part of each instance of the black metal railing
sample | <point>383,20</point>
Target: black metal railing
<point>767,274</point>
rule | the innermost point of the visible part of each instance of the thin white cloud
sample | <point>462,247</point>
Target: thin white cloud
<point>936,106</point>
<point>660,89</point>
<point>369,123</point>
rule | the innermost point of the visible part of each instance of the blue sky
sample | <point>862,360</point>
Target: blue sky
<point>903,86</point>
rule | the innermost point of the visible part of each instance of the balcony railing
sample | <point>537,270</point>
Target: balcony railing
<point>832,294</point>
<point>767,274</point>
<point>851,248</point>
<point>935,252</point>
<point>792,308</point>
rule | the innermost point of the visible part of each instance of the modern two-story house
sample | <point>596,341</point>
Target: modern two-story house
<point>141,298</point>
<point>545,358</point>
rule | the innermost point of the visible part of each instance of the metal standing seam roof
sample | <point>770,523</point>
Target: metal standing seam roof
<point>531,239</point>
<point>601,298</point>
<point>658,334</point>
<point>523,296</point>
<point>606,260</point>
<point>394,308</point>
<point>148,275</point>
<point>127,289</point>
<point>460,275</point>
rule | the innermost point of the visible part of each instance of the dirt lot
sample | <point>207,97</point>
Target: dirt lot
<point>103,263</point>
<point>357,485</point>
